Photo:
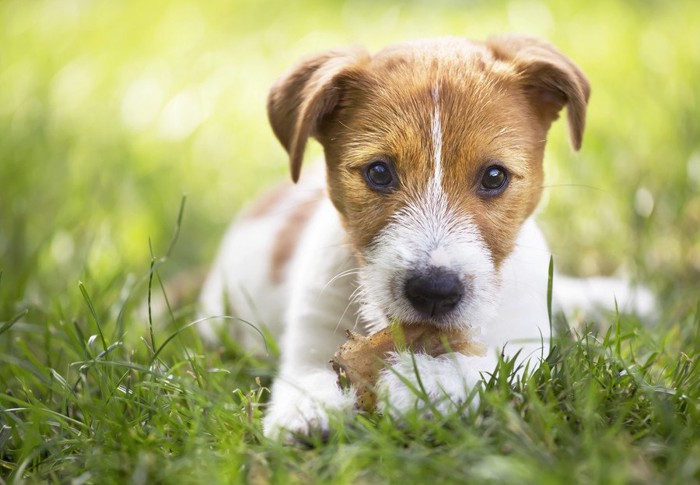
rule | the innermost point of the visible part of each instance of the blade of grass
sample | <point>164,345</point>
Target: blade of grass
<point>6,326</point>
<point>93,312</point>
<point>196,322</point>
<point>150,294</point>
<point>550,284</point>
<point>178,225</point>
<point>154,270</point>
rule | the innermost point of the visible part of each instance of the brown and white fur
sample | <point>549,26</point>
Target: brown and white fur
<point>311,261</point>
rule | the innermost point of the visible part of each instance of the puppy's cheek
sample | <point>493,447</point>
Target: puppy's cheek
<point>380,292</point>
<point>363,213</point>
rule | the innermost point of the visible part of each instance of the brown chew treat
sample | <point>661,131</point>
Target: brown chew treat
<point>359,360</point>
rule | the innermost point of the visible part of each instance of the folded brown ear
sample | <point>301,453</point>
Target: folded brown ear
<point>551,79</point>
<point>301,98</point>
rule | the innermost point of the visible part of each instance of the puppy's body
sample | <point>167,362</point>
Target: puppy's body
<point>433,155</point>
<point>317,299</point>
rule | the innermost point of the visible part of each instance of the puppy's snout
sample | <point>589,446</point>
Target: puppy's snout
<point>434,292</point>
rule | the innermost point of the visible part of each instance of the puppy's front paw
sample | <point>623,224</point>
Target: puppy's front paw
<point>301,406</point>
<point>419,382</point>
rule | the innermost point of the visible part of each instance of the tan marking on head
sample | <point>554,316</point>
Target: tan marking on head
<point>493,126</point>
<point>487,115</point>
<point>496,103</point>
<point>549,78</point>
<point>300,99</point>
<point>288,235</point>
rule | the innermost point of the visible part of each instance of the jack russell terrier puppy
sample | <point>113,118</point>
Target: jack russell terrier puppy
<point>433,169</point>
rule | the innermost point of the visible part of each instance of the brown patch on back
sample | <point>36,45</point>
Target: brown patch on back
<point>289,234</point>
<point>266,204</point>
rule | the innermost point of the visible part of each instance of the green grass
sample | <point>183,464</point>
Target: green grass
<point>105,408</point>
<point>110,111</point>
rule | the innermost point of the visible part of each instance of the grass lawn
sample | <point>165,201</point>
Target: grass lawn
<point>110,111</point>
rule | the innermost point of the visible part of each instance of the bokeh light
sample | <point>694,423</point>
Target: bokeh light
<point>109,111</point>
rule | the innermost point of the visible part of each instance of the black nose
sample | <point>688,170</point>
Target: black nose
<point>434,291</point>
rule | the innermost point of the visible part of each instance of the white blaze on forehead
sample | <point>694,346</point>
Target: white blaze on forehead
<point>437,139</point>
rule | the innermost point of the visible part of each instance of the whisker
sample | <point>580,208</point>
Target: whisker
<point>347,307</point>
<point>357,321</point>
<point>342,274</point>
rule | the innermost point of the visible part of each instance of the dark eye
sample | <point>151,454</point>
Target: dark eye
<point>380,176</point>
<point>494,180</point>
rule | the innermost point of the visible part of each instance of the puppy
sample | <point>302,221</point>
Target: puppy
<point>433,169</point>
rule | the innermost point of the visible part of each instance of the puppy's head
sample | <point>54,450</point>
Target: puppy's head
<point>434,156</point>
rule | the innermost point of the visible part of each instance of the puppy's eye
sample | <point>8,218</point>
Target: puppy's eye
<point>380,176</point>
<point>494,180</point>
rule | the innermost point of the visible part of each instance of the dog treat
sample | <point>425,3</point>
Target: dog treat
<point>359,360</point>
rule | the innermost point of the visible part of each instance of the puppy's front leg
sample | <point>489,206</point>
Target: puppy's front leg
<point>301,404</point>
<point>320,309</point>
<point>306,388</point>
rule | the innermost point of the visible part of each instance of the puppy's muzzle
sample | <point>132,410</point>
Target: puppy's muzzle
<point>435,291</point>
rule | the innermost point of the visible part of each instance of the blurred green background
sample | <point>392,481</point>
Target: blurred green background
<point>110,110</point>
